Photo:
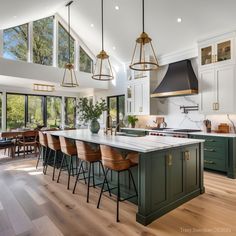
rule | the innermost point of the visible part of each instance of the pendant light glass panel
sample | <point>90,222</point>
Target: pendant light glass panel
<point>103,70</point>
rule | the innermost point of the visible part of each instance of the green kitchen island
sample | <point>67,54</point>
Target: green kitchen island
<point>170,170</point>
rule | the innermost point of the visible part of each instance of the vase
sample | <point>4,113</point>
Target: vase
<point>132,125</point>
<point>94,126</point>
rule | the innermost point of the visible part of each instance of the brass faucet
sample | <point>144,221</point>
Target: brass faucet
<point>116,128</point>
<point>108,126</point>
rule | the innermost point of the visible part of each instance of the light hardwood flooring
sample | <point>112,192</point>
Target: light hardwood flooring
<point>32,204</point>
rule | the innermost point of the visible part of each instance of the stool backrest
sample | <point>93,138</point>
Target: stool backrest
<point>43,139</point>
<point>67,146</point>
<point>53,142</point>
<point>112,158</point>
<point>87,152</point>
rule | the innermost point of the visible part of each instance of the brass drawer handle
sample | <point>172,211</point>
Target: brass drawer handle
<point>169,159</point>
<point>187,156</point>
<point>209,162</point>
<point>210,140</point>
<point>209,150</point>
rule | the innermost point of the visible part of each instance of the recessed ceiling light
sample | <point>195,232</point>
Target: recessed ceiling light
<point>117,8</point>
<point>14,16</point>
<point>114,48</point>
<point>179,20</point>
<point>92,25</point>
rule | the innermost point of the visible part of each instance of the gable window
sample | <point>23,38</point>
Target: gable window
<point>63,51</point>
<point>0,111</point>
<point>85,62</point>
<point>43,41</point>
<point>15,43</point>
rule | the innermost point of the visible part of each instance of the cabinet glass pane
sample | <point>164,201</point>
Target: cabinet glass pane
<point>224,51</point>
<point>206,54</point>
<point>129,92</point>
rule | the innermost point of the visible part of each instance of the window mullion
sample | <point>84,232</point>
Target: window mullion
<point>1,43</point>
<point>30,42</point>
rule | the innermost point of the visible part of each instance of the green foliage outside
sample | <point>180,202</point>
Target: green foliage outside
<point>85,62</point>
<point>70,104</point>
<point>53,111</point>
<point>35,111</point>
<point>89,111</point>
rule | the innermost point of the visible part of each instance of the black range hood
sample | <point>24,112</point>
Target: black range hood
<point>180,80</point>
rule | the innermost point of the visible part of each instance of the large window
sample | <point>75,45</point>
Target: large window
<point>0,111</point>
<point>53,111</point>
<point>35,110</point>
<point>70,112</point>
<point>15,111</point>
<point>85,62</point>
<point>15,43</point>
<point>63,52</point>
<point>43,41</point>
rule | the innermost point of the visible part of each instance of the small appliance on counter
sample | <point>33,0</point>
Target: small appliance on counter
<point>207,123</point>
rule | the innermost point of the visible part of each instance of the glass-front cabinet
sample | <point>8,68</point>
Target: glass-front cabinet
<point>217,51</point>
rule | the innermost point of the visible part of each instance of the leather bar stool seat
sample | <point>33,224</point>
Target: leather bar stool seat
<point>90,154</point>
<point>43,142</point>
<point>69,151</point>
<point>114,160</point>
<point>53,145</point>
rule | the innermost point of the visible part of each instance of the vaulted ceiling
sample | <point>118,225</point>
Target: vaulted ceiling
<point>200,18</point>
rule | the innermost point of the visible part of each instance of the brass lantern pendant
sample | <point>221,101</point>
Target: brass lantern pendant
<point>144,57</point>
<point>103,69</point>
<point>69,77</point>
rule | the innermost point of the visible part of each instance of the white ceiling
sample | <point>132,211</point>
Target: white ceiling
<point>200,18</point>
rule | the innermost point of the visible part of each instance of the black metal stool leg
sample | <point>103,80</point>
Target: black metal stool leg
<point>62,162</point>
<point>83,172</point>
<point>105,177</point>
<point>118,196</point>
<point>88,181</point>
<point>69,173</point>
<point>77,178</point>
<point>132,178</point>
<point>100,196</point>
<point>40,153</point>
<point>46,162</point>
<point>93,174</point>
<point>54,165</point>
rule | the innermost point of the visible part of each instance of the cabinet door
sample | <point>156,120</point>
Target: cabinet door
<point>224,52</point>
<point>225,87</point>
<point>176,175</point>
<point>191,159</point>
<point>207,90</point>
<point>206,55</point>
<point>146,98</point>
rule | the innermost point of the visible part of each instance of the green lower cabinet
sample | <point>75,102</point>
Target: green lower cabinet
<point>219,154</point>
<point>134,131</point>
<point>173,179</point>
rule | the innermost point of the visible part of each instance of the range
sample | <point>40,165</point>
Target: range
<point>180,133</point>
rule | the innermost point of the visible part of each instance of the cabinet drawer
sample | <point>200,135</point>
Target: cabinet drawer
<point>214,164</point>
<point>215,152</point>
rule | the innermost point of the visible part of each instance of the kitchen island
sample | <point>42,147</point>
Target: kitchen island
<point>170,170</point>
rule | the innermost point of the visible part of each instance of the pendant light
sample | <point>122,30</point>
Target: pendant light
<point>102,70</point>
<point>144,57</point>
<point>69,77</point>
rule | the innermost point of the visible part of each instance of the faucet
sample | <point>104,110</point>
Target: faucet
<point>109,118</point>
<point>116,128</point>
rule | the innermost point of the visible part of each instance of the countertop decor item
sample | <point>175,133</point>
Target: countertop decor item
<point>69,77</point>
<point>103,69</point>
<point>90,112</point>
<point>207,123</point>
<point>223,128</point>
<point>144,57</point>
<point>132,120</point>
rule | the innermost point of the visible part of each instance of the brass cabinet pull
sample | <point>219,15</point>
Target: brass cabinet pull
<point>209,150</point>
<point>169,159</point>
<point>209,162</point>
<point>187,156</point>
<point>217,106</point>
<point>209,140</point>
<point>213,106</point>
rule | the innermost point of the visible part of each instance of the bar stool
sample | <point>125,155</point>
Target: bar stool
<point>54,145</point>
<point>113,160</point>
<point>68,149</point>
<point>43,142</point>
<point>91,155</point>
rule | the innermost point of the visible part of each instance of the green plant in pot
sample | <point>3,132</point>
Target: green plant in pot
<point>89,112</point>
<point>132,121</point>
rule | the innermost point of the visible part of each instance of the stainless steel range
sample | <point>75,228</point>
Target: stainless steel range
<point>180,133</point>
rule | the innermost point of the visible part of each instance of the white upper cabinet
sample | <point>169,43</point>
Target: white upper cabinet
<point>217,51</point>
<point>138,93</point>
<point>217,81</point>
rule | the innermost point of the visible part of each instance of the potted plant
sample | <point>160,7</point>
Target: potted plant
<point>132,121</point>
<point>90,112</point>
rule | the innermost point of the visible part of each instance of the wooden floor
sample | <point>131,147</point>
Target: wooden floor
<point>31,204</point>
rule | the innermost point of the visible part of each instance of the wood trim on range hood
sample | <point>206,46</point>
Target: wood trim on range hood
<point>179,80</point>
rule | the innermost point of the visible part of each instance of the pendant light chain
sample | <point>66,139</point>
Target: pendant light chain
<point>102,26</point>
<point>143,14</point>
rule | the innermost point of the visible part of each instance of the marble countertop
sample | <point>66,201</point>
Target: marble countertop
<point>140,144</point>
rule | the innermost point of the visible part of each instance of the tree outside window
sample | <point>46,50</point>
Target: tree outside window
<point>85,62</point>
<point>70,112</point>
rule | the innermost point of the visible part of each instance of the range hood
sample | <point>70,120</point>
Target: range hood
<point>180,80</point>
